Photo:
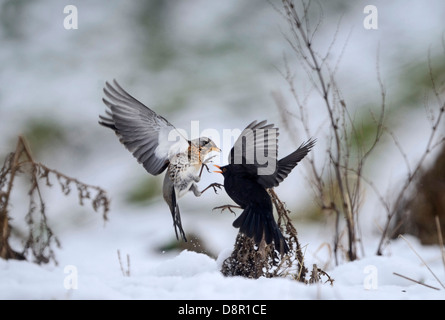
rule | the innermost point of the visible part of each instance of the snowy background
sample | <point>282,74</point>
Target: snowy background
<point>216,62</point>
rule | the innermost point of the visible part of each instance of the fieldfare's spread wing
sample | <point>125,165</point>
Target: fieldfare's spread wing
<point>148,136</point>
<point>285,165</point>
<point>257,144</point>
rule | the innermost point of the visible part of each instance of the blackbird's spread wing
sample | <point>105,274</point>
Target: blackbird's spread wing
<point>256,149</point>
<point>257,144</point>
<point>285,165</point>
<point>148,136</point>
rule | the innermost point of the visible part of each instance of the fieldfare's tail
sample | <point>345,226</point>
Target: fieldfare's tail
<point>170,197</point>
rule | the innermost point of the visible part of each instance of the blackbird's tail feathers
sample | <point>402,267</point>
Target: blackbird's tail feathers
<point>257,222</point>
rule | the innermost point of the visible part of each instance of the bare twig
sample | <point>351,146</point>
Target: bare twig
<point>418,282</point>
<point>423,261</point>
<point>440,238</point>
<point>338,183</point>
<point>412,174</point>
<point>125,273</point>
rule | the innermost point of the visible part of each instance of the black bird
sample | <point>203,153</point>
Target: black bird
<point>246,184</point>
<point>157,145</point>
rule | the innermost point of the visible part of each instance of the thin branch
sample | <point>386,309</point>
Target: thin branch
<point>433,82</point>
<point>125,273</point>
<point>418,282</point>
<point>402,152</point>
<point>423,261</point>
<point>317,65</point>
<point>440,238</point>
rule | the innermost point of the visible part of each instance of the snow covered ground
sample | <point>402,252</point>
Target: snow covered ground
<point>89,269</point>
<point>224,63</point>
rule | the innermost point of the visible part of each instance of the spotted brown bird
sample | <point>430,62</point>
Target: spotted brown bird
<point>158,145</point>
<point>247,185</point>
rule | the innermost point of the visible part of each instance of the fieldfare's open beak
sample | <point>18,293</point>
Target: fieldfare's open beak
<point>218,168</point>
<point>215,149</point>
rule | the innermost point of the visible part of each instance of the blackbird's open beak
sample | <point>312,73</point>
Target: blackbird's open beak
<point>218,168</point>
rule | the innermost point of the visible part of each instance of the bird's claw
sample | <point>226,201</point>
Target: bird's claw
<point>206,166</point>
<point>227,207</point>
<point>214,186</point>
<point>207,161</point>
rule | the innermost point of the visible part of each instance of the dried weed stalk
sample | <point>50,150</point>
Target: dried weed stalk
<point>41,239</point>
<point>125,272</point>
<point>252,261</point>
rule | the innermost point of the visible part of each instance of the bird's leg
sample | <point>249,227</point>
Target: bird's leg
<point>227,207</point>
<point>195,190</point>
<point>202,167</point>
<point>197,193</point>
<point>214,186</point>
